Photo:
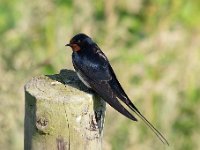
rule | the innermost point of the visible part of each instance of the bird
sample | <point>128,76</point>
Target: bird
<point>94,70</point>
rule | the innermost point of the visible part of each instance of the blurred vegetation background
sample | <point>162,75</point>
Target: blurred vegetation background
<point>153,45</point>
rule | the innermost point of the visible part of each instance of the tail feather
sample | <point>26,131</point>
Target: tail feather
<point>155,131</point>
<point>123,97</point>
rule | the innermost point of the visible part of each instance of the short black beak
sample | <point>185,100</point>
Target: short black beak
<point>68,45</point>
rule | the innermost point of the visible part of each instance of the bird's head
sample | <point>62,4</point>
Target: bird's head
<point>79,41</point>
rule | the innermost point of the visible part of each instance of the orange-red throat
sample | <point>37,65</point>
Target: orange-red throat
<point>75,47</point>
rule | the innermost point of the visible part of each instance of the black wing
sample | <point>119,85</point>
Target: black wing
<point>101,77</point>
<point>104,90</point>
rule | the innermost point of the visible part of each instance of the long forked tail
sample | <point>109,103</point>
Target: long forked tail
<point>155,131</point>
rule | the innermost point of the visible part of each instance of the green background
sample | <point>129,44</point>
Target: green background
<point>153,46</point>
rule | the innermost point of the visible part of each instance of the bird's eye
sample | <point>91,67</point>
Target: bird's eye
<point>78,41</point>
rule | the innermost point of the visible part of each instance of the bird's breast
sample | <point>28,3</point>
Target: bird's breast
<point>82,79</point>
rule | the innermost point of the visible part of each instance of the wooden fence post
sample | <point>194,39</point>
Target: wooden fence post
<point>62,114</point>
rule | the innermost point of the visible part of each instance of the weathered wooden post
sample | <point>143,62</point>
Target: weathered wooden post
<point>62,114</point>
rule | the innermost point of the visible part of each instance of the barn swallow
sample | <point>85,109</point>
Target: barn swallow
<point>95,71</point>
